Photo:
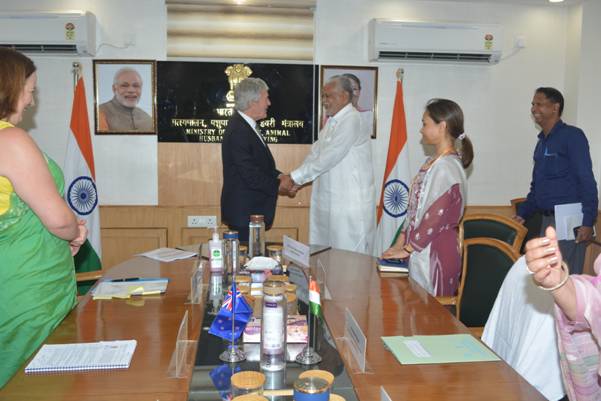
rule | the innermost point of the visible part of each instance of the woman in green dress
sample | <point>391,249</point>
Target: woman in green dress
<point>39,234</point>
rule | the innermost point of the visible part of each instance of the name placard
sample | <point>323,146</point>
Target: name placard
<point>384,395</point>
<point>355,338</point>
<point>296,251</point>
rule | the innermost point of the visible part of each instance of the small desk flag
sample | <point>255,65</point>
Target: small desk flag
<point>222,325</point>
<point>314,298</point>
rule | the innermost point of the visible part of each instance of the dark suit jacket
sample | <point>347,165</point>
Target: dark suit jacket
<point>250,183</point>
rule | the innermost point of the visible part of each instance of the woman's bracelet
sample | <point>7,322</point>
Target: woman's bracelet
<point>408,248</point>
<point>564,267</point>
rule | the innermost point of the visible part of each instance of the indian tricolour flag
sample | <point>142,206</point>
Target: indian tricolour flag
<point>394,196</point>
<point>80,185</point>
<point>314,298</point>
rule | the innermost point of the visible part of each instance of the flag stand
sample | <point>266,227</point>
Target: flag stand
<point>233,352</point>
<point>308,356</point>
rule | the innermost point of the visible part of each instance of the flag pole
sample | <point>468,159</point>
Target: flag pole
<point>233,353</point>
<point>76,73</point>
<point>400,73</point>
<point>308,356</point>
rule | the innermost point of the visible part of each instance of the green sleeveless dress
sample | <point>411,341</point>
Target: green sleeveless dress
<point>37,277</point>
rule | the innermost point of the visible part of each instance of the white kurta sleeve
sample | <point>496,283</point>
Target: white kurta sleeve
<point>330,149</point>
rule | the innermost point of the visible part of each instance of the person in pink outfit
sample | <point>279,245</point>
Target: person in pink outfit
<point>577,315</point>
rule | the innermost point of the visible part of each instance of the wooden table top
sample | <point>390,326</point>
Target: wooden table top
<point>382,307</point>
<point>398,306</point>
<point>151,320</point>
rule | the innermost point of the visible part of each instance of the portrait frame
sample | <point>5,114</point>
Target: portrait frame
<point>368,99</point>
<point>112,104</point>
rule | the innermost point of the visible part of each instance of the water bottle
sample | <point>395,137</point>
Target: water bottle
<point>231,252</point>
<point>256,236</point>
<point>273,326</point>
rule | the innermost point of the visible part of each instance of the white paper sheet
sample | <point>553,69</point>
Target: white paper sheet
<point>168,254</point>
<point>567,217</point>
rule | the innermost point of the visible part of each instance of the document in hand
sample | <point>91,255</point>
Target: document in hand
<point>82,356</point>
<point>393,265</point>
<point>125,288</point>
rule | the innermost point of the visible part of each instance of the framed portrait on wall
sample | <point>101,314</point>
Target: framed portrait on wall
<point>364,81</point>
<point>124,97</point>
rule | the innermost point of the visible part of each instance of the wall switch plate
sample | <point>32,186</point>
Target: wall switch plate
<point>202,221</point>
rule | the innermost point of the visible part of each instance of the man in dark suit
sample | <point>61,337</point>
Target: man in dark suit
<point>250,179</point>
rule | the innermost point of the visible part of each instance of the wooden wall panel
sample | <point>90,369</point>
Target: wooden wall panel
<point>191,173</point>
<point>120,244</point>
<point>127,230</point>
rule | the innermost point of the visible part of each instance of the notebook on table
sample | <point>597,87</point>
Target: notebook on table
<point>400,266</point>
<point>82,356</point>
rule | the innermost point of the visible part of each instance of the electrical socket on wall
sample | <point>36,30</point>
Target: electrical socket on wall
<point>202,221</point>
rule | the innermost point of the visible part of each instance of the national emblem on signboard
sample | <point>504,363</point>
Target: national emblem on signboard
<point>236,73</point>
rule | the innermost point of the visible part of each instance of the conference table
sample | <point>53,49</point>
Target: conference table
<point>381,307</point>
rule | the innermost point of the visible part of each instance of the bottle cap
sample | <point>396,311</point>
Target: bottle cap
<point>322,374</point>
<point>230,235</point>
<point>256,218</point>
<point>248,379</point>
<point>274,288</point>
<point>311,385</point>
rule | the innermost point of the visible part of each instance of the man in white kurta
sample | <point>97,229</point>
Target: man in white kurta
<point>343,202</point>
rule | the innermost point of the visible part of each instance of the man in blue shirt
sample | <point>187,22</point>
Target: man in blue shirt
<point>562,174</point>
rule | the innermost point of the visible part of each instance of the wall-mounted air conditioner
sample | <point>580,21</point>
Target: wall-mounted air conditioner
<point>61,33</point>
<point>435,41</point>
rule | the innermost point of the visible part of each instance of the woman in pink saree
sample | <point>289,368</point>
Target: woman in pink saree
<point>429,236</point>
<point>577,315</point>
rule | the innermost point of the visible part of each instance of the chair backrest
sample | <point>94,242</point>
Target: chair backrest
<point>486,262</point>
<point>533,223</point>
<point>487,225</point>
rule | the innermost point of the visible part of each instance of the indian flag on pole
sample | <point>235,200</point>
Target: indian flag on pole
<point>80,191</point>
<point>394,197</point>
<point>314,298</point>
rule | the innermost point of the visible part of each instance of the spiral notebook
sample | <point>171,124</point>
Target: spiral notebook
<point>82,356</point>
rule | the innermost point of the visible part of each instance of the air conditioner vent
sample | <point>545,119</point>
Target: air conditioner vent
<point>431,56</point>
<point>442,42</point>
<point>49,32</point>
<point>43,49</point>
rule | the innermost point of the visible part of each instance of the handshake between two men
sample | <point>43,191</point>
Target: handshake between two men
<point>287,186</point>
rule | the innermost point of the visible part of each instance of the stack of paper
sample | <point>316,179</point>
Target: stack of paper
<point>125,288</point>
<point>83,356</point>
<point>168,254</point>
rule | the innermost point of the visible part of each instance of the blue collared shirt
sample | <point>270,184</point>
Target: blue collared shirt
<point>563,173</point>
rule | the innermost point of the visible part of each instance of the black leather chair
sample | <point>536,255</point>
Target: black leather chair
<point>486,262</point>
<point>486,225</point>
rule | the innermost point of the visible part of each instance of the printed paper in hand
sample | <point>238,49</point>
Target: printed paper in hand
<point>168,254</point>
<point>83,356</point>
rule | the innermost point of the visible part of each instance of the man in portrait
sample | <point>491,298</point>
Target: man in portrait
<point>121,113</point>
